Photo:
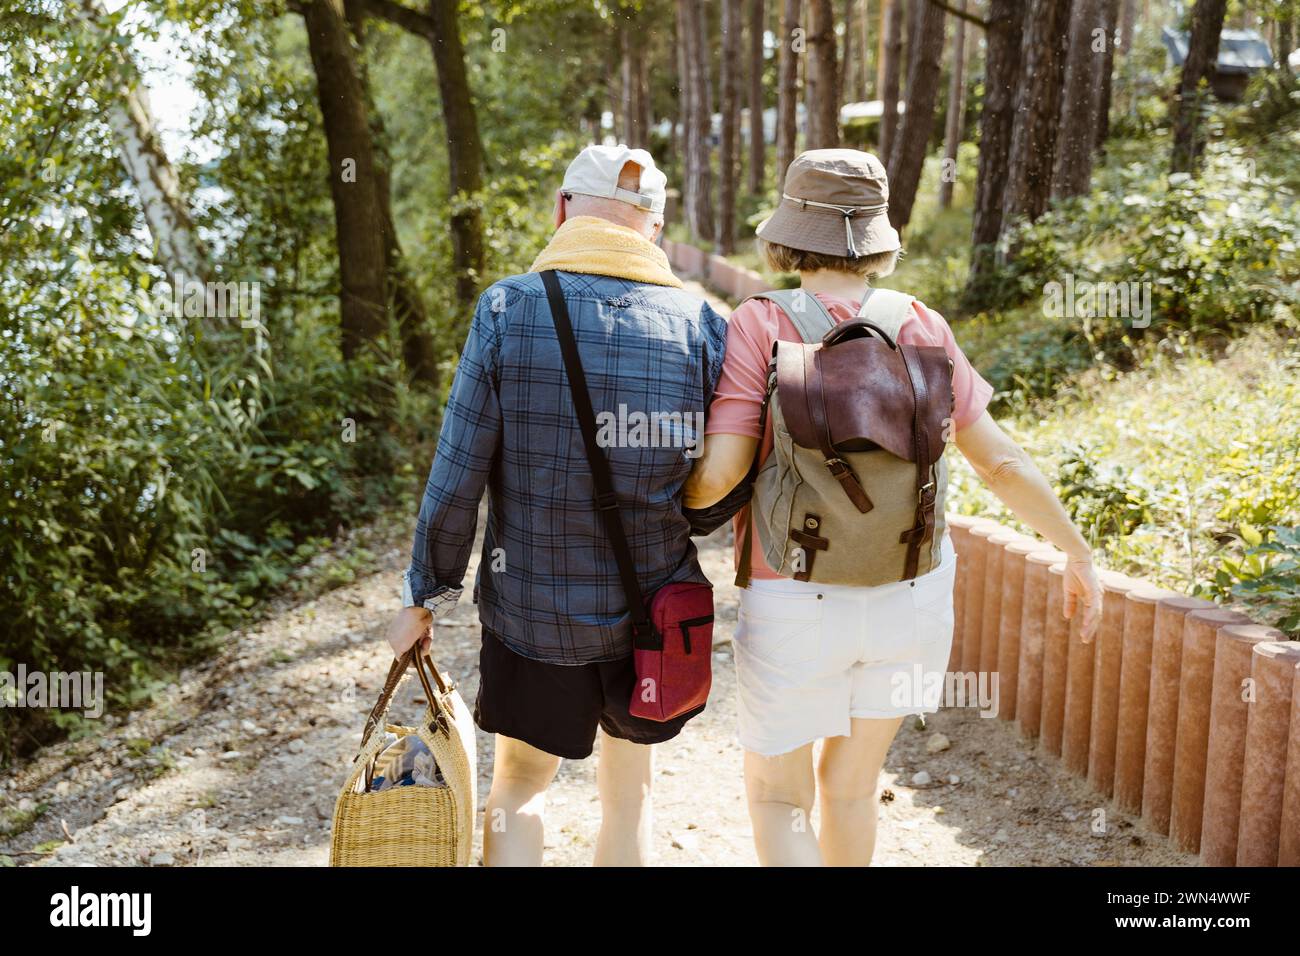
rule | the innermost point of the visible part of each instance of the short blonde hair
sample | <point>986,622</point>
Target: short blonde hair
<point>781,258</point>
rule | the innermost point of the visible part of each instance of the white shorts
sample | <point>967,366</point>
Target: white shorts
<point>809,657</point>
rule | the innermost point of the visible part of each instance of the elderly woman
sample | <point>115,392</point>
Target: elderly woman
<point>829,673</point>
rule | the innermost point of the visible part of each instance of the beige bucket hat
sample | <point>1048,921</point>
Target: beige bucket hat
<point>836,203</point>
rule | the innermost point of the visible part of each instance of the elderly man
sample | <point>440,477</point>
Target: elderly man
<point>556,658</point>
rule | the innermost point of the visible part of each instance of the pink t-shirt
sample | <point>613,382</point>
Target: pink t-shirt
<point>758,323</point>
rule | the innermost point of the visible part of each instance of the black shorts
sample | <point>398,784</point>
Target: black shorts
<point>557,707</point>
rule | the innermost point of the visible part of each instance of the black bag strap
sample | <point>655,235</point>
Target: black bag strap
<point>644,636</point>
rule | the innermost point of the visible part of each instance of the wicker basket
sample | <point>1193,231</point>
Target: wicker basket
<point>411,826</point>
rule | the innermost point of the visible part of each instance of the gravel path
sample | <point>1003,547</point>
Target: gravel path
<point>240,762</point>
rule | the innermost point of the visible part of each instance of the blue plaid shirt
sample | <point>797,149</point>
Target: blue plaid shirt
<point>547,581</point>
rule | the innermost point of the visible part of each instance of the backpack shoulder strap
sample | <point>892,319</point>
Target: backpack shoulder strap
<point>886,308</point>
<point>810,322</point>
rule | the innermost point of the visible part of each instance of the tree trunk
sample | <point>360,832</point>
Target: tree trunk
<point>682,125</point>
<point>464,155</point>
<point>757,144</point>
<point>729,155</point>
<point>419,353</point>
<point>591,119</point>
<point>956,96</point>
<point>359,225</point>
<point>1285,41</point>
<point>625,124</point>
<point>635,105</point>
<point>1202,53</point>
<point>699,200</point>
<point>166,212</point>
<point>864,23</point>
<point>787,98</point>
<point>820,96</point>
<point>1028,184</point>
<point>645,108</point>
<point>613,85</point>
<point>439,26</point>
<point>1001,77</point>
<point>1107,74</point>
<point>1080,98</point>
<point>175,241</point>
<point>843,76</point>
<point>888,77</point>
<point>1127,24</point>
<point>907,158</point>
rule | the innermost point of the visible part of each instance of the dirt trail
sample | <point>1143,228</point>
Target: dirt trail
<point>240,763</point>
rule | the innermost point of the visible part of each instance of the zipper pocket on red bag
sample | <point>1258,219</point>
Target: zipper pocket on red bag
<point>686,629</point>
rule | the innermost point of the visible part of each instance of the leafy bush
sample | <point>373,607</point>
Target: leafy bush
<point>153,492</point>
<point>1214,252</point>
<point>1267,576</point>
<point>1103,501</point>
<point>1023,354</point>
<point>1272,103</point>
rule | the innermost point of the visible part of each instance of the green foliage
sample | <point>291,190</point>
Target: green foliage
<point>1214,254</point>
<point>1272,104</point>
<point>1266,577</point>
<point>935,258</point>
<point>159,476</point>
<point>1103,500</point>
<point>1023,354</point>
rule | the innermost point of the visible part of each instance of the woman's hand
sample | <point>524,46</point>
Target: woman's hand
<point>1081,587</point>
<point>411,626</point>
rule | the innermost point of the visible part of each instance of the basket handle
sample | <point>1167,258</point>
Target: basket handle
<point>395,672</point>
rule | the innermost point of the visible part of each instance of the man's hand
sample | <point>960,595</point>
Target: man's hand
<point>1082,587</point>
<point>411,626</point>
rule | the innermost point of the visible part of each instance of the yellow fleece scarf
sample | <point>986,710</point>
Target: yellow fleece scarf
<point>598,247</point>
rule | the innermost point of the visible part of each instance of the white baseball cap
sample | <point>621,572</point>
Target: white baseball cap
<point>595,173</point>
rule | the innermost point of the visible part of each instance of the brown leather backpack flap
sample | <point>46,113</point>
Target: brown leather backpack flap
<point>937,418</point>
<point>867,394</point>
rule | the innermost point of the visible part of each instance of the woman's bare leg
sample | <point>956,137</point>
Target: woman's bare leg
<point>780,791</point>
<point>513,822</point>
<point>623,776</point>
<point>848,776</point>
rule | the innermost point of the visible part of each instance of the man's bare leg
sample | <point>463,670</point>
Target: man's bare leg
<point>623,776</point>
<point>513,822</point>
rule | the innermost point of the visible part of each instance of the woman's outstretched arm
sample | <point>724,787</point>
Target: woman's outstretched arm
<point>1012,475</point>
